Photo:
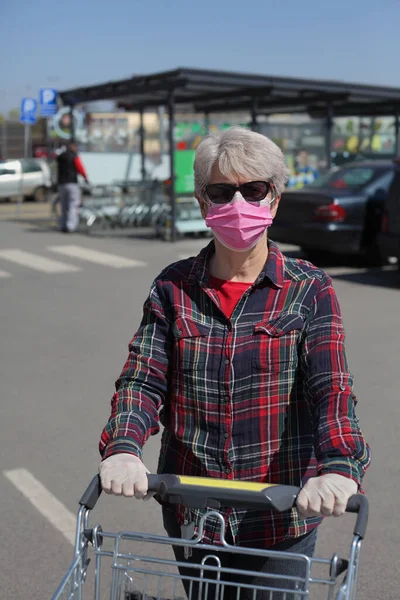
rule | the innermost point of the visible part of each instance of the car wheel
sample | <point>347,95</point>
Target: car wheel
<point>373,256</point>
<point>370,251</point>
<point>39,195</point>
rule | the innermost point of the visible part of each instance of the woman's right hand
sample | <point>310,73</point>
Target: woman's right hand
<point>124,474</point>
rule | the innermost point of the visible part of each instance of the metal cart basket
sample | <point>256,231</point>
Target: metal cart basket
<point>136,573</point>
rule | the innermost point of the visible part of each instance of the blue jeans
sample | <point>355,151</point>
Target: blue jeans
<point>70,198</point>
<point>261,564</point>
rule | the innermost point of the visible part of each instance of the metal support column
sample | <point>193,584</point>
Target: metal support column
<point>329,135</point>
<point>125,187</point>
<point>161,118</point>
<point>171,126</point>
<point>142,154</point>
<point>397,133</point>
<point>254,108</point>
<point>71,114</point>
<point>207,121</point>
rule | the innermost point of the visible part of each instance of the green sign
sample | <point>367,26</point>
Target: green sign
<point>184,178</point>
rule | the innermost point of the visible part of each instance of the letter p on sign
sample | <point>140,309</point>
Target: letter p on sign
<point>29,105</point>
<point>48,96</point>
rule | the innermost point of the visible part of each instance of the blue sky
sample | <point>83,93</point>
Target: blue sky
<point>79,42</point>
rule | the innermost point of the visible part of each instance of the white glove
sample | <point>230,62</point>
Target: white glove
<point>124,474</point>
<point>325,495</point>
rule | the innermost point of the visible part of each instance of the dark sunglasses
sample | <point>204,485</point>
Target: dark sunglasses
<point>253,191</point>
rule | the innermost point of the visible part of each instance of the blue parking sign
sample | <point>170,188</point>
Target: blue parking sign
<point>48,102</point>
<point>28,111</point>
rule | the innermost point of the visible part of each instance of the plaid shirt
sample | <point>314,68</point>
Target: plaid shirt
<point>263,396</point>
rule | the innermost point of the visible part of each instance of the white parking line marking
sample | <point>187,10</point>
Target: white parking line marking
<point>36,262</point>
<point>49,507</point>
<point>4,274</point>
<point>101,258</point>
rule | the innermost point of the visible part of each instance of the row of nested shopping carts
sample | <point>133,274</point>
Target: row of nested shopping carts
<point>120,206</point>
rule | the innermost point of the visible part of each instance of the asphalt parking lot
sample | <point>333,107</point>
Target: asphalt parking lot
<point>69,306</point>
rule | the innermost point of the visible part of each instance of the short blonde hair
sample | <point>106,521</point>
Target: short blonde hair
<point>240,153</point>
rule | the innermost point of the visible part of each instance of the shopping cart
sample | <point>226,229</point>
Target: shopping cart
<point>138,574</point>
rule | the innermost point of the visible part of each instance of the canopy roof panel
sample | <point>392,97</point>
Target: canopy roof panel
<point>211,91</point>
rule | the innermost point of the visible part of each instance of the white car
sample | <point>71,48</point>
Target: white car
<point>25,178</point>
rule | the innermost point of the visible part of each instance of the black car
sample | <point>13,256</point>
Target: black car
<point>339,213</point>
<point>389,238</point>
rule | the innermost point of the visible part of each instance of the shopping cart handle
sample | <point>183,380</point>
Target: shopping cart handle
<point>92,493</point>
<point>359,504</point>
<point>204,492</point>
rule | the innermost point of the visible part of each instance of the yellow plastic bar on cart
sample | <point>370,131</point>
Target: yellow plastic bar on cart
<point>230,484</point>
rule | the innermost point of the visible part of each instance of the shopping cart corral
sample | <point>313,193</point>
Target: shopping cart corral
<point>136,572</point>
<point>106,208</point>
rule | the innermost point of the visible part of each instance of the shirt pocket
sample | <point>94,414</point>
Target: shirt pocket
<point>191,344</point>
<point>276,343</point>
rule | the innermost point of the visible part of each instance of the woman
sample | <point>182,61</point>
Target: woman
<point>243,348</point>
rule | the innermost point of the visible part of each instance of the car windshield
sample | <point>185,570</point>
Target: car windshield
<point>348,178</point>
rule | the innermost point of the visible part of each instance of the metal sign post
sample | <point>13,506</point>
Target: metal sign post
<point>27,134</point>
<point>48,108</point>
<point>27,118</point>
<point>4,149</point>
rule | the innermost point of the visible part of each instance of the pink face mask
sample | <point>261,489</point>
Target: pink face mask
<point>239,225</point>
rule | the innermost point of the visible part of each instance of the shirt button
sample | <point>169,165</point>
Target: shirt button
<point>226,435</point>
<point>179,332</point>
<point>227,361</point>
<point>227,471</point>
<point>342,387</point>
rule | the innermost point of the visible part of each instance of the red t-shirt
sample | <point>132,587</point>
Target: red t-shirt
<point>229,293</point>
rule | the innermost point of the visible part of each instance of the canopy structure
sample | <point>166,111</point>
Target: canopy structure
<point>217,91</point>
<point>210,91</point>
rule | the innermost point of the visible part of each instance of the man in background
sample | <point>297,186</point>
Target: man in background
<point>69,167</point>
